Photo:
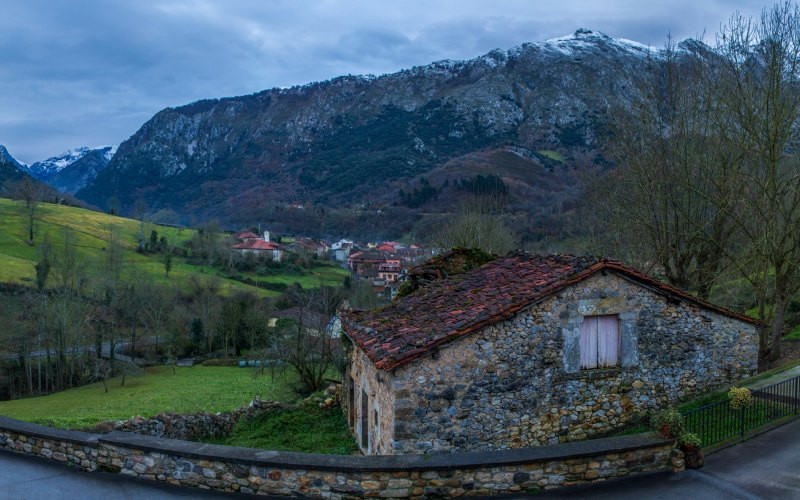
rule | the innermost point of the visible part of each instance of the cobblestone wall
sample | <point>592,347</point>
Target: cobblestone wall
<point>78,449</point>
<point>490,480</point>
<point>232,469</point>
<point>191,426</point>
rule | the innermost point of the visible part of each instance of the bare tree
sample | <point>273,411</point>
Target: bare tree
<point>157,303</point>
<point>666,206</point>
<point>69,309</point>
<point>307,345</point>
<point>31,193</point>
<point>759,96</point>
<point>709,171</point>
<point>140,210</point>
<point>204,293</point>
<point>477,223</point>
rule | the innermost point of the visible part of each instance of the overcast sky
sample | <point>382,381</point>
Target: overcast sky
<point>87,73</point>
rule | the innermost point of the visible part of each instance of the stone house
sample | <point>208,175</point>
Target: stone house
<point>532,350</point>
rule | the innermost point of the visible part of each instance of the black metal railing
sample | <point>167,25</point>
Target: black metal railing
<point>719,421</point>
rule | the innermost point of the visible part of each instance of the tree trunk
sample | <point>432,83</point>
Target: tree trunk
<point>777,327</point>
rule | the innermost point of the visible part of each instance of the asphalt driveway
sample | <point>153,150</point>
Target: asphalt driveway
<point>767,466</point>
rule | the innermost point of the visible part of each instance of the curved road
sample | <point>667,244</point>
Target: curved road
<point>767,466</point>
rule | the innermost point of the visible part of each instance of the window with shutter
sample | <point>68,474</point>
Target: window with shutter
<point>599,342</point>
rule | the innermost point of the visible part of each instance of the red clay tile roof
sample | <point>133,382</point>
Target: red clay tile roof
<point>456,306</point>
<point>256,245</point>
<point>247,235</point>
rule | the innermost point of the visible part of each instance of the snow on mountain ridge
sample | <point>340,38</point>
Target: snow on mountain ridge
<point>585,38</point>
<point>51,166</point>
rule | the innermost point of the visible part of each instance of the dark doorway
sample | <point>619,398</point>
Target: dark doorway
<point>364,420</point>
<point>351,403</point>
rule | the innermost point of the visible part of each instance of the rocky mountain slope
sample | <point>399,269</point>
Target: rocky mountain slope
<point>72,170</point>
<point>325,157</point>
<point>11,170</point>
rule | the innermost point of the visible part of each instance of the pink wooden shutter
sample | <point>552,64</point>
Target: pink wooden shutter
<point>589,343</point>
<point>607,341</point>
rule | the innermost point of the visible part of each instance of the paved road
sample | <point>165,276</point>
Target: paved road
<point>767,466</point>
<point>29,478</point>
<point>105,351</point>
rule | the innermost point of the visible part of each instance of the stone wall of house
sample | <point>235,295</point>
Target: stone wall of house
<point>519,383</point>
<point>231,469</point>
<point>190,426</point>
<point>381,415</point>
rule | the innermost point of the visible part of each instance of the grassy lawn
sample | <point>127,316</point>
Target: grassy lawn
<point>720,423</point>
<point>553,155</point>
<point>308,429</point>
<point>321,274</point>
<point>189,390</point>
<point>794,334</point>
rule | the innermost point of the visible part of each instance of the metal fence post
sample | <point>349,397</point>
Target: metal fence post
<point>741,421</point>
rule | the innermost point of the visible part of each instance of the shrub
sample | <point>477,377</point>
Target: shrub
<point>667,422</point>
<point>688,439</point>
<point>740,397</point>
<point>221,362</point>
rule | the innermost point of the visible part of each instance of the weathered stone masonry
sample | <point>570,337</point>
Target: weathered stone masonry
<point>231,469</point>
<point>518,383</point>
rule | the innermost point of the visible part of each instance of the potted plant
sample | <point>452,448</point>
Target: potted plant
<point>690,445</point>
<point>667,423</point>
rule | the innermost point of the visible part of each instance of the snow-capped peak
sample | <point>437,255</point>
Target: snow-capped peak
<point>110,151</point>
<point>46,168</point>
<point>584,38</point>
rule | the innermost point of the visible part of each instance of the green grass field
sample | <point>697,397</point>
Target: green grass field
<point>189,390</point>
<point>553,155</point>
<point>90,230</point>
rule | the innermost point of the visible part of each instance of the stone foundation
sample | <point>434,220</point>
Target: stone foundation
<point>232,469</point>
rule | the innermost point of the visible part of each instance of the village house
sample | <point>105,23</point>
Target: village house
<point>341,250</point>
<point>252,244</point>
<point>309,246</point>
<point>389,271</point>
<point>530,350</point>
<point>366,263</point>
<point>248,236</point>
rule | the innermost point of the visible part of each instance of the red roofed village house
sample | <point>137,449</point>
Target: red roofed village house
<point>531,350</point>
<point>259,247</point>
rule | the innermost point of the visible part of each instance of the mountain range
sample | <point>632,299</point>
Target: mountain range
<point>71,171</point>
<point>388,155</point>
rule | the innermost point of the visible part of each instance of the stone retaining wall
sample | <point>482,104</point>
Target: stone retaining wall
<point>191,426</point>
<point>246,470</point>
